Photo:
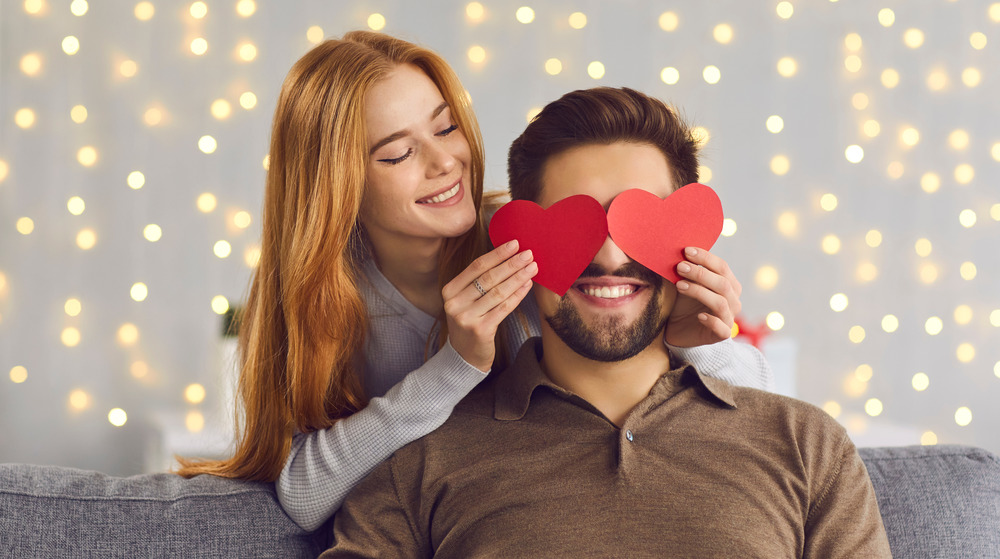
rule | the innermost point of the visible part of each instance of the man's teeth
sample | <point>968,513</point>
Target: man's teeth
<point>443,196</point>
<point>609,292</point>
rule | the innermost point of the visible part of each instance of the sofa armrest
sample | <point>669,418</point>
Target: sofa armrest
<point>52,511</point>
<point>937,501</point>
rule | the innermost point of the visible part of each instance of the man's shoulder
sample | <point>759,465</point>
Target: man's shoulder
<point>768,408</point>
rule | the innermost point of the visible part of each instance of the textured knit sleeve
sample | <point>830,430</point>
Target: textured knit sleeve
<point>324,466</point>
<point>734,362</point>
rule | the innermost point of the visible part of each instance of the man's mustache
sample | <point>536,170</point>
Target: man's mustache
<point>628,270</point>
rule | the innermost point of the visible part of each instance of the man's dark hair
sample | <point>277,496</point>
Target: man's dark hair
<point>601,115</point>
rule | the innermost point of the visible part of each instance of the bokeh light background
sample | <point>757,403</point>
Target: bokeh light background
<point>855,146</point>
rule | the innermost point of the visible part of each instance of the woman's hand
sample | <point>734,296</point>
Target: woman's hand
<point>708,301</point>
<point>480,297</point>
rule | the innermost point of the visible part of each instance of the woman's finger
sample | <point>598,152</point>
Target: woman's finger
<point>716,304</point>
<point>498,313</point>
<point>501,292</point>
<point>714,263</point>
<point>478,267</point>
<point>716,325</point>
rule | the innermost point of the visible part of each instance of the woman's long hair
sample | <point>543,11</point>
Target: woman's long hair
<point>304,319</point>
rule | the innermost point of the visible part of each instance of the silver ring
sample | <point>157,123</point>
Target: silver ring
<point>479,287</point>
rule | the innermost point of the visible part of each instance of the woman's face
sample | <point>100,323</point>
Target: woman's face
<point>419,179</point>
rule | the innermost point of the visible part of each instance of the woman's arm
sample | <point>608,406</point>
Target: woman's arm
<point>324,466</point>
<point>734,362</point>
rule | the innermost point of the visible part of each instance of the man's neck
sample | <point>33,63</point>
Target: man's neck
<point>613,388</point>
<point>411,265</point>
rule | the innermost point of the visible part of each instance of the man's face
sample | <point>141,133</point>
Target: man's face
<point>617,307</point>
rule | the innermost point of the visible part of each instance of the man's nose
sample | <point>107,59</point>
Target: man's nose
<point>610,257</point>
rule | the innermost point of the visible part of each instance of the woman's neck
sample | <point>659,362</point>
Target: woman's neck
<point>411,266</point>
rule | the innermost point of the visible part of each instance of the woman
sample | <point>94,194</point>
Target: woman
<point>350,346</point>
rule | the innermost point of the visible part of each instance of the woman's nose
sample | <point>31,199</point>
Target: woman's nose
<point>440,160</point>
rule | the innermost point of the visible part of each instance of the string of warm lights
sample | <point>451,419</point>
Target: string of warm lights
<point>935,164</point>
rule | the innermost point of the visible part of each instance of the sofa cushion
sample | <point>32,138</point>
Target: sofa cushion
<point>937,501</point>
<point>49,511</point>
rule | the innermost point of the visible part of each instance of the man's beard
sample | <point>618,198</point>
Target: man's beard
<point>611,340</point>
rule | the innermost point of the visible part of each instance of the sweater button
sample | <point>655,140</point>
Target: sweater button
<point>628,435</point>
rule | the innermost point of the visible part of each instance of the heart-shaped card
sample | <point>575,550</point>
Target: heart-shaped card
<point>652,231</point>
<point>563,238</point>
<point>655,231</point>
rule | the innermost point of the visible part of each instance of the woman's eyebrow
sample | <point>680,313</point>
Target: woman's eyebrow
<point>403,133</point>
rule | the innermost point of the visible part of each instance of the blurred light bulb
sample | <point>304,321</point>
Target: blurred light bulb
<point>890,78</point>
<point>144,11</point>
<point>76,205</point>
<point>139,292</point>
<point>886,17</point>
<point>859,101</point>
<point>780,165</point>
<point>670,75</point>
<point>668,21</point>
<point>152,232</point>
<point>963,416</point>
<point>838,302</point>
<point>476,54</point>
<point>71,45</point>
<point>913,38</point>
<point>315,34</point>
<point>199,46</point>
<point>194,393</point>
<point>711,74</point>
<point>595,70</point>
<point>723,33</point>
<point>971,77</point>
<point>775,321</point>
<point>774,124</point>
<point>246,8</point>
<point>831,244</point>
<point>222,249</point>
<point>854,153</point>
<point>787,67</point>
<point>524,14</point>
<point>207,144</point>
<point>73,307</point>
<point>117,417</point>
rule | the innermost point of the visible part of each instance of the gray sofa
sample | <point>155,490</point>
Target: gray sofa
<point>936,501</point>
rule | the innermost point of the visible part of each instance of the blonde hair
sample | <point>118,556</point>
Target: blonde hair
<point>304,319</point>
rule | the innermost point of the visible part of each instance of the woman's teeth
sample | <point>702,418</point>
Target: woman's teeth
<point>443,196</point>
<point>609,292</point>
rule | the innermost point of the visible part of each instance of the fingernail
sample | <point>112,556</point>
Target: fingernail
<point>691,251</point>
<point>683,267</point>
<point>683,285</point>
<point>511,245</point>
<point>533,268</point>
<point>526,255</point>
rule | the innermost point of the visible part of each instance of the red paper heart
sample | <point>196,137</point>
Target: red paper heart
<point>654,231</point>
<point>563,238</point>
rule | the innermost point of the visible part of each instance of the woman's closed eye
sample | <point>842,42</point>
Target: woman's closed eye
<point>448,130</point>
<point>398,160</point>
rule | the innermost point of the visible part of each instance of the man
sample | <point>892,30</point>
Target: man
<point>595,441</point>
